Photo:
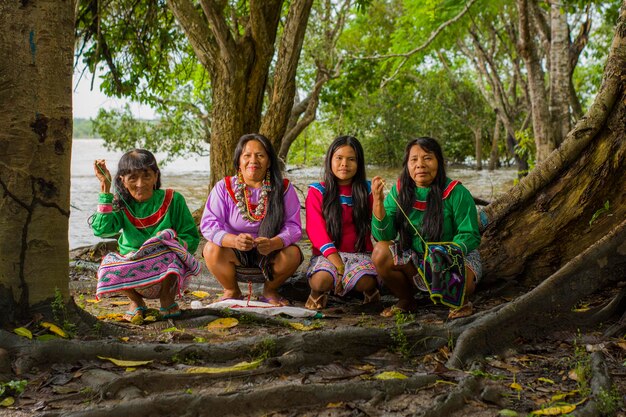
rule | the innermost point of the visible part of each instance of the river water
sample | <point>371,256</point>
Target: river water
<point>189,176</point>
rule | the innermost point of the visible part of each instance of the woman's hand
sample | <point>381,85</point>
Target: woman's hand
<point>378,193</point>
<point>378,189</point>
<point>244,242</point>
<point>263,245</point>
<point>103,175</point>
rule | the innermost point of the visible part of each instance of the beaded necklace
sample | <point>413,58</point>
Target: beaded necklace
<point>243,198</point>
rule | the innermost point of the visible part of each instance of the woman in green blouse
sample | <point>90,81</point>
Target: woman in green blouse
<point>157,236</point>
<point>422,209</point>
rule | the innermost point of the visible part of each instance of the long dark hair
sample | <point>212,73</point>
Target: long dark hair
<point>331,203</point>
<point>272,223</point>
<point>131,161</point>
<point>432,225</point>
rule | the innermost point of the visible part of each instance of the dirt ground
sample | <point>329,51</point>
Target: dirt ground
<point>388,380</point>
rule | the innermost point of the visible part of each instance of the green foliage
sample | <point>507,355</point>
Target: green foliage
<point>83,129</point>
<point>265,349</point>
<point>400,340</point>
<point>59,311</point>
<point>599,212</point>
<point>525,148</point>
<point>310,147</point>
<point>179,134</point>
<point>609,402</point>
<point>12,388</point>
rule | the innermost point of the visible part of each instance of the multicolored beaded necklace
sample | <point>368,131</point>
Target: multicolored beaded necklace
<point>243,199</point>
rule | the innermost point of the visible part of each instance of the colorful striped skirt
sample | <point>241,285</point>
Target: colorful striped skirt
<point>357,265</point>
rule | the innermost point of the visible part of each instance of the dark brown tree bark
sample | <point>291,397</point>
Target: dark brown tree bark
<point>36,45</point>
<point>238,55</point>
<point>546,220</point>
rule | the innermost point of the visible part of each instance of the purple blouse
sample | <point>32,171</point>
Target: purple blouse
<point>221,215</point>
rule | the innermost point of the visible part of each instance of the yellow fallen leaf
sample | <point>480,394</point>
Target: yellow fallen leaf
<point>301,327</point>
<point>22,331</point>
<point>225,323</point>
<point>559,397</point>
<point>93,300</point>
<point>334,405</point>
<point>125,364</point>
<point>124,339</point>
<point>365,367</point>
<point>200,294</point>
<point>390,375</point>
<point>150,319</point>
<point>111,316</point>
<point>120,303</point>
<point>554,411</point>
<point>241,366</point>
<point>171,329</point>
<point>7,402</point>
<point>54,328</point>
<point>546,380</point>
<point>516,386</point>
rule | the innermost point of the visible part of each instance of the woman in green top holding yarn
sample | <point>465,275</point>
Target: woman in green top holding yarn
<point>158,236</point>
<point>427,228</point>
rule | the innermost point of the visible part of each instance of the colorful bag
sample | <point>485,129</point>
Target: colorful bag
<point>442,273</point>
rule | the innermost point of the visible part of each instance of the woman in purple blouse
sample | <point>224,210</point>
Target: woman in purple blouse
<point>252,220</point>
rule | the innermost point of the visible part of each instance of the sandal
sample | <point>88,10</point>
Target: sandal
<point>373,298</point>
<point>177,313</point>
<point>465,310</point>
<point>136,315</point>
<point>318,303</point>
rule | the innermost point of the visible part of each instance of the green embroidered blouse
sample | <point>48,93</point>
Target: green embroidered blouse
<point>460,219</point>
<point>176,216</point>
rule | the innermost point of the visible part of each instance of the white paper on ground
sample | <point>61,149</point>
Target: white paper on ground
<point>263,308</point>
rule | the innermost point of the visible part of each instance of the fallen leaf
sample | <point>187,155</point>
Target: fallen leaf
<point>200,294</point>
<point>507,413</point>
<point>93,300</point>
<point>301,327</point>
<point>554,411</point>
<point>125,364</point>
<point>22,331</point>
<point>559,397</point>
<point>334,405</point>
<point>241,366</point>
<point>54,329</point>
<point>546,380</point>
<point>46,337</point>
<point>120,303</point>
<point>516,386</point>
<point>170,330</point>
<point>124,339</point>
<point>225,323</point>
<point>390,375</point>
<point>7,402</point>
<point>622,344</point>
<point>366,367</point>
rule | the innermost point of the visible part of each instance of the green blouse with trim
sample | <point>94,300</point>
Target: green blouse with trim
<point>460,219</point>
<point>178,217</point>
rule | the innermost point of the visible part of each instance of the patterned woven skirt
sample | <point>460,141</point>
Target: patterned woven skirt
<point>357,265</point>
<point>145,269</point>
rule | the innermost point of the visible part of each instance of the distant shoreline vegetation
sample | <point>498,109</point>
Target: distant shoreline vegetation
<point>83,129</point>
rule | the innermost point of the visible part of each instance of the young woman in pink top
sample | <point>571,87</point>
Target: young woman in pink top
<point>338,223</point>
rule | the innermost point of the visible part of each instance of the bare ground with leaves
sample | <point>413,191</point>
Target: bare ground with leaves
<point>352,362</point>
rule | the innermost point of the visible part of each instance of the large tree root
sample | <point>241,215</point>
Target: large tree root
<point>600,386</point>
<point>554,298</point>
<point>455,400</point>
<point>293,350</point>
<point>283,397</point>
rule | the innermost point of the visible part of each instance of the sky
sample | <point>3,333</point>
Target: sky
<point>88,101</point>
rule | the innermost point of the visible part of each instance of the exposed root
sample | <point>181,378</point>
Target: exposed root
<point>282,397</point>
<point>600,385</point>
<point>555,297</point>
<point>455,400</point>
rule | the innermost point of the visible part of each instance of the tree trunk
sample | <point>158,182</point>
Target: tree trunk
<point>555,212</point>
<point>478,140</point>
<point>560,72</point>
<point>36,45</point>
<point>239,59</point>
<point>493,156</point>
